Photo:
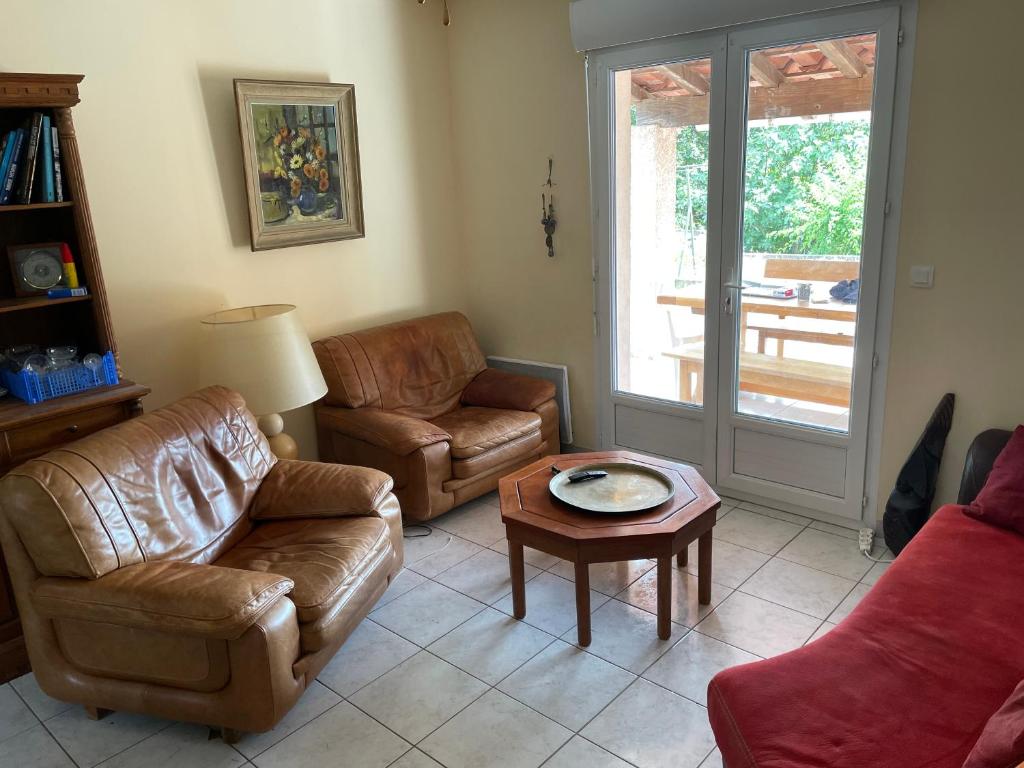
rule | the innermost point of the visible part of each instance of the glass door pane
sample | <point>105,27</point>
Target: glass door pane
<point>661,202</point>
<point>808,126</point>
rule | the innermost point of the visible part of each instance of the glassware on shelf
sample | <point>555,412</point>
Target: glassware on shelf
<point>58,358</point>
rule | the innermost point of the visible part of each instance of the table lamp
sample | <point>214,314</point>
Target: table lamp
<point>264,354</point>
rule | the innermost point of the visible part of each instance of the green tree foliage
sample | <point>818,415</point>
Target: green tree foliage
<point>805,186</point>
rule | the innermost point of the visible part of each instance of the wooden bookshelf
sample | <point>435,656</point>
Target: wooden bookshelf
<point>35,207</point>
<point>28,430</point>
<point>36,302</point>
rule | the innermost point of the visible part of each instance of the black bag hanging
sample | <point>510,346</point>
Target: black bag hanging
<point>910,502</point>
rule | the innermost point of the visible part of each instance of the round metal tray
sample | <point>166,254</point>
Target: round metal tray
<point>627,488</point>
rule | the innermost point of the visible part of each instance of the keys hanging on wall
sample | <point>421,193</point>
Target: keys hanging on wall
<point>547,212</point>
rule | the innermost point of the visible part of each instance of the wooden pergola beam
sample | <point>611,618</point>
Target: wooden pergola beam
<point>686,78</point>
<point>764,72</point>
<point>844,57</point>
<point>638,92</point>
<point>810,97</point>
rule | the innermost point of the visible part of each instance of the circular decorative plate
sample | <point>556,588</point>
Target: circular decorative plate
<point>41,270</point>
<point>626,488</point>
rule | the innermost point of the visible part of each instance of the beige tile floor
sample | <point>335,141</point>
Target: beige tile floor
<point>442,675</point>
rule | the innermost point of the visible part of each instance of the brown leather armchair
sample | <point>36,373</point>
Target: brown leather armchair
<point>172,566</point>
<point>416,400</point>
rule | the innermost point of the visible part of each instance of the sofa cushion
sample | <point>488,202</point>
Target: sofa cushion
<point>909,678</point>
<point>527,446</point>
<point>494,388</point>
<point>1002,741</point>
<point>416,367</point>
<point>321,556</point>
<point>1001,500</point>
<point>174,484</point>
<point>477,430</point>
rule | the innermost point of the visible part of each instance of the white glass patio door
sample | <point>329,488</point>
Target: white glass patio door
<point>657,136</point>
<point>740,185</point>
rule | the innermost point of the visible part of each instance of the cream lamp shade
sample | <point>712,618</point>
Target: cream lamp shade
<point>264,354</point>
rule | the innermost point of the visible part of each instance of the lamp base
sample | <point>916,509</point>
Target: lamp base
<point>283,445</point>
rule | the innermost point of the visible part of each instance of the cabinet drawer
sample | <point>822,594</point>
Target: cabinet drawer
<point>36,439</point>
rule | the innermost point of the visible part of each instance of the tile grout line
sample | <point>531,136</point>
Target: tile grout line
<point>511,696</point>
<point>41,722</point>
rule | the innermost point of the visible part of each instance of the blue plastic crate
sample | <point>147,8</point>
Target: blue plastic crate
<point>37,387</point>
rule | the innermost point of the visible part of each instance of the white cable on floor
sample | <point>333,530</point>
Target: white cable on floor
<point>423,536</point>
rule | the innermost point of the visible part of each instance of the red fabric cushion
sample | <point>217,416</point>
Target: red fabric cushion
<point>909,678</point>
<point>1002,742</point>
<point>1001,501</point>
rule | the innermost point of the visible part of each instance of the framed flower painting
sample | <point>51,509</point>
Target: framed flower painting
<point>300,153</point>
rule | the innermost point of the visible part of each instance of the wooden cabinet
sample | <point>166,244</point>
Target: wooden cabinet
<point>27,431</point>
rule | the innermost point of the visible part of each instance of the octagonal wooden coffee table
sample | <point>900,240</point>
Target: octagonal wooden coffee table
<point>533,518</point>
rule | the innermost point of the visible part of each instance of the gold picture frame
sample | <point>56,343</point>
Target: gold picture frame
<point>300,153</point>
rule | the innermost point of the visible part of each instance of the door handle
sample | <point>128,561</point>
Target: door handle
<point>728,304</point>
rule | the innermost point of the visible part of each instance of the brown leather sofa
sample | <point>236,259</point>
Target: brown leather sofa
<point>416,400</point>
<point>172,566</point>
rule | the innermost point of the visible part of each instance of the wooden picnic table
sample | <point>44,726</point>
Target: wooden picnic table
<point>780,308</point>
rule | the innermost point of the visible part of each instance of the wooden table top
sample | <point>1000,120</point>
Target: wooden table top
<point>829,310</point>
<point>526,501</point>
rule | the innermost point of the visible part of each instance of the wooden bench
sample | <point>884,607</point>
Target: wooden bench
<point>798,379</point>
<point>782,335</point>
<point>812,270</point>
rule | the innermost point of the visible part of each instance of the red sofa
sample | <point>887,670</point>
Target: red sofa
<point>911,676</point>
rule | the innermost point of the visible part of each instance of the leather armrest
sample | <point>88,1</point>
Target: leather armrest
<point>493,388</point>
<point>311,489</point>
<point>181,598</point>
<point>980,457</point>
<point>398,434</point>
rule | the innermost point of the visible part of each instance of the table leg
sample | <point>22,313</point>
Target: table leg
<point>683,557</point>
<point>583,604</point>
<point>664,597</point>
<point>704,569</point>
<point>518,576</point>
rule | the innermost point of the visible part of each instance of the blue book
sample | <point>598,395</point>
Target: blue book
<point>46,155</point>
<point>7,190</point>
<point>8,150</point>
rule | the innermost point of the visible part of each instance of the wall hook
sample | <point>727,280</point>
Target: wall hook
<point>447,20</point>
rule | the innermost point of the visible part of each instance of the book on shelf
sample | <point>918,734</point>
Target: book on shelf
<point>5,155</point>
<point>16,142</point>
<point>46,159</point>
<point>67,293</point>
<point>58,177</point>
<point>28,172</point>
<point>30,163</point>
